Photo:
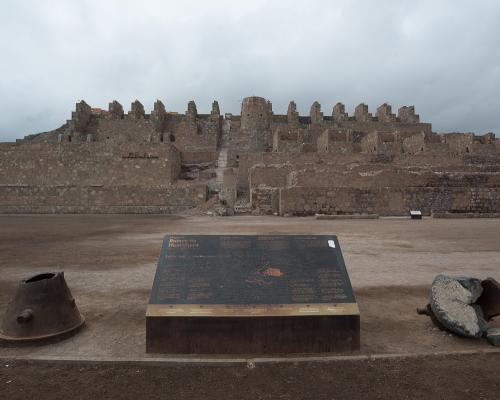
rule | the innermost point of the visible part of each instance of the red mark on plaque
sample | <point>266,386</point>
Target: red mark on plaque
<point>272,271</point>
<point>264,276</point>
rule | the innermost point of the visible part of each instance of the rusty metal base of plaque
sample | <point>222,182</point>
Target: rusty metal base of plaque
<point>217,294</point>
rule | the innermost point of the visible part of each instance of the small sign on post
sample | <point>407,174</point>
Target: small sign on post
<point>415,214</point>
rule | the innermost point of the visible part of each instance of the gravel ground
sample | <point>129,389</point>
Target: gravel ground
<point>109,262</point>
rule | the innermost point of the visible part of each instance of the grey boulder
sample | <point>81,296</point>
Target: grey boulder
<point>452,303</point>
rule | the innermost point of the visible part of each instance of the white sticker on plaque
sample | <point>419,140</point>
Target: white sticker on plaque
<point>331,243</point>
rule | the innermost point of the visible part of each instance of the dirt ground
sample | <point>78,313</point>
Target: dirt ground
<point>443,377</point>
<point>110,260</point>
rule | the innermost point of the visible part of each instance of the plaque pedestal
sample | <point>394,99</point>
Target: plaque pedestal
<point>251,294</point>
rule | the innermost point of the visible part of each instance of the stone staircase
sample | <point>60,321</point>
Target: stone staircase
<point>221,165</point>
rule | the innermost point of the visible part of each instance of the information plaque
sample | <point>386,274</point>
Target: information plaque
<point>251,294</point>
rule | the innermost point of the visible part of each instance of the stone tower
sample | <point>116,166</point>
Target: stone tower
<point>256,115</point>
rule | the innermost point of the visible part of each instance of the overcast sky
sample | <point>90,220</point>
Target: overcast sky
<point>441,56</point>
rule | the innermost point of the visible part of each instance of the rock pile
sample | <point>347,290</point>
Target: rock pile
<point>464,305</point>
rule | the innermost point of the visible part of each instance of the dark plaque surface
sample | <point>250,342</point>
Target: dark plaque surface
<point>229,294</point>
<point>246,270</point>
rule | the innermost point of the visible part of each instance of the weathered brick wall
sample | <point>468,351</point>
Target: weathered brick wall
<point>287,163</point>
<point>126,130</point>
<point>269,175</point>
<point>195,157</point>
<point>100,199</point>
<point>406,129</point>
<point>331,183</point>
<point>336,141</point>
<point>94,177</point>
<point>85,164</point>
<point>350,169</point>
<point>255,132</point>
<point>388,175</point>
<point>288,141</point>
<point>370,143</point>
<point>388,201</point>
<point>265,182</point>
<point>201,135</point>
<point>265,200</point>
<point>463,143</point>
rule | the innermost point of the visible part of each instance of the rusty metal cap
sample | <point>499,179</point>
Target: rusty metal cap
<point>490,298</point>
<point>43,307</point>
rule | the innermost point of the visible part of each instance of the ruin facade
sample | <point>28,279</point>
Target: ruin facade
<point>103,161</point>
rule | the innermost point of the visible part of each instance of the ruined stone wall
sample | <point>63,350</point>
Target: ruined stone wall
<point>115,160</point>
<point>126,131</point>
<point>290,140</point>
<point>94,177</point>
<point>196,157</point>
<point>269,175</point>
<point>255,127</point>
<point>189,132</point>
<point>86,164</point>
<point>459,143</point>
<point>336,141</point>
<point>331,183</point>
<point>365,171</point>
<point>290,133</point>
<point>465,143</point>
<point>374,125</point>
<point>388,201</point>
<point>298,161</point>
<point>198,135</point>
<point>381,143</point>
<point>428,144</point>
<point>414,144</point>
<point>100,199</point>
<point>256,130</point>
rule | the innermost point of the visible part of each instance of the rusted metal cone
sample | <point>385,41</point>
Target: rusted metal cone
<point>43,307</point>
<point>490,299</point>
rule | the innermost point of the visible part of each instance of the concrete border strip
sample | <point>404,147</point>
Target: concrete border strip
<point>239,361</point>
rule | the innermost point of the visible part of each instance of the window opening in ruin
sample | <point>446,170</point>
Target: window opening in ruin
<point>69,138</point>
<point>40,277</point>
<point>171,137</point>
<point>467,149</point>
<point>161,138</point>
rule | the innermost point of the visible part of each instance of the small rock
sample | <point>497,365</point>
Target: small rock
<point>493,336</point>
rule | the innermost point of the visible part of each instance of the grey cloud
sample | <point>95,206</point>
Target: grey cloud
<point>443,57</point>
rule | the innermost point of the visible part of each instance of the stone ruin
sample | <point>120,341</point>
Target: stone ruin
<point>109,161</point>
